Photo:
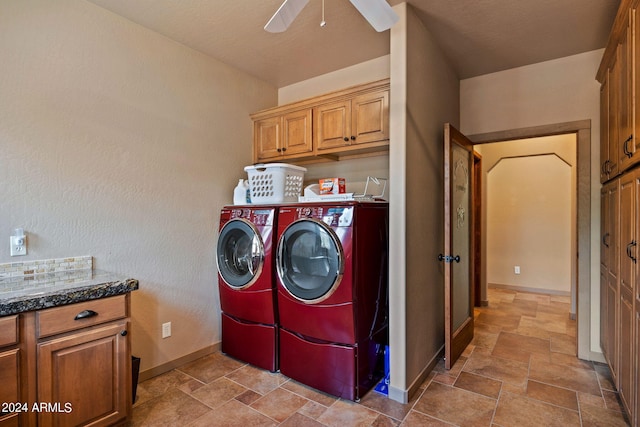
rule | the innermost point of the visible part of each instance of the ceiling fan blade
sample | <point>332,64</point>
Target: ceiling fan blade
<point>285,15</point>
<point>378,12</point>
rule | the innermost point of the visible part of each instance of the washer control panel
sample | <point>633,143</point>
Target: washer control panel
<point>262,217</point>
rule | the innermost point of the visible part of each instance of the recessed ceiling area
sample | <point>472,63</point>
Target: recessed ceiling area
<point>478,36</point>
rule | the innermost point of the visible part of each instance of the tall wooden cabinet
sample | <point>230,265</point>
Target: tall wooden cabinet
<point>619,75</point>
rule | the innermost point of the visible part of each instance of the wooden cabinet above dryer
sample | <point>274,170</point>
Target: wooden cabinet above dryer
<point>344,124</point>
<point>283,136</point>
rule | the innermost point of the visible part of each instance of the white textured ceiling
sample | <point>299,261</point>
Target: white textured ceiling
<point>478,36</point>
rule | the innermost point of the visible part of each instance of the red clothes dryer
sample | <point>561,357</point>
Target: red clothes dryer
<point>332,269</point>
<point>246,282</point>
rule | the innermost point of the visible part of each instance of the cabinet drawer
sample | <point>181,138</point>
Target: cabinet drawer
<point>8,330</point>
<point>81,315</point>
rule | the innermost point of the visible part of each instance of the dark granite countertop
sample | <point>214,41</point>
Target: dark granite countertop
<point>27,293</point>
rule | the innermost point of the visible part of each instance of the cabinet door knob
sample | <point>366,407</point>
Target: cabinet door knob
<point>85,314</point>
<point>346,139</point>
<point>353,138</point>
<point>630,246</point>
<point>279,150</point>
<point>284,149</point>
<point>124,333</point>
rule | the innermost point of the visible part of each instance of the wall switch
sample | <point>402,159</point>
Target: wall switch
<point>516,269</point>
<point>18,245</point>
<point>166,330</point>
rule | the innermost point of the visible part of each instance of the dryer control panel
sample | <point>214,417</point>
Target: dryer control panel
<point>341,216</point>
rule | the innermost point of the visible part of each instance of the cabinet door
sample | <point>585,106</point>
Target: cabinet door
<point>610,254</point>
<point>267,138</point>
<point>10,384</point>
<point>87,375</point>
<point>370,118</point>
<point>604,129</point>
<point>614,95</point>
<point>604,271</point>
<point>634,146</point>
<point>297,133</point>
<point>626,368</point>
<point>612,320</point>
<point>626,361</point>
<point>625,133</point>
<point>636,408</point>
<point>332,125</point>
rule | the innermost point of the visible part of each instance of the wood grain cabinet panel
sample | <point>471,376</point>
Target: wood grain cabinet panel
<point>68,370</point>
<point>352,123</point>
<point>85,376</point>
<point>57,320</point>
<point>267,138</point>
<point>332,125</point>
<point>347,123</point>
<point>9,385</point>
<point>619,76</point>
<point>297,133</point>
<point>370,117</point>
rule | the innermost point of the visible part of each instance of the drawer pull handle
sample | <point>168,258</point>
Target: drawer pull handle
<point>85,314</point>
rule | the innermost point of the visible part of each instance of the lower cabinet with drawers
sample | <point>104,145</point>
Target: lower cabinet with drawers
<point>67,365</point>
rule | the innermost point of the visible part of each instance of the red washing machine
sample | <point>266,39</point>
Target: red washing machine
<point>332,268</point>
<point>246,281</point>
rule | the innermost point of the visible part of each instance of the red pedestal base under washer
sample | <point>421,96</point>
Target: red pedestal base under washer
<point>253,343</point>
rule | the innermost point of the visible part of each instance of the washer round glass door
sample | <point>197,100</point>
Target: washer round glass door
<point>240,253</point>
<point>310,260</point>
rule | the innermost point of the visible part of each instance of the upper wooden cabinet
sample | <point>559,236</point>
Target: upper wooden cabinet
<point>346,123</point>
<point>618,74</point>
<point>283,136</point>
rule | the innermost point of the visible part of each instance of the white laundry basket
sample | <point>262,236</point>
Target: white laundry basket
<point>275,182</point>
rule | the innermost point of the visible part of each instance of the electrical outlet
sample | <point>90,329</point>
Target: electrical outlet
<point>516,269</point>
<point>18,245</point>
<point>166,330</point>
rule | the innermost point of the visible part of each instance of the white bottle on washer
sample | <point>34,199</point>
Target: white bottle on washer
<point>241,193</point>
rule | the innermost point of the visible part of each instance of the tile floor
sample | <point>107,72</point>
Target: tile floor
<point>520,370</point>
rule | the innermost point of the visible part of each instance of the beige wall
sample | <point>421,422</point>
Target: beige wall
<point>424,95</point>
<point>119,143</point>
<point>354,171</point>
<point>365,72</point>
<point>529,205</point>
<point>557,91</point>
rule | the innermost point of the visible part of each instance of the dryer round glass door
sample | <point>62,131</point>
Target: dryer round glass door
<point>310,260</point>
<point>240,253</point>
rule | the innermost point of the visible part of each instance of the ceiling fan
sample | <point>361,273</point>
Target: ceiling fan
<point>378,12</point>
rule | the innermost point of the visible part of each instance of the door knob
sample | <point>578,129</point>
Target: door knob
<point>448,258</point>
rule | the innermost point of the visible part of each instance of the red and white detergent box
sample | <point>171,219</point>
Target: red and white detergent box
<point>332,186</point>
